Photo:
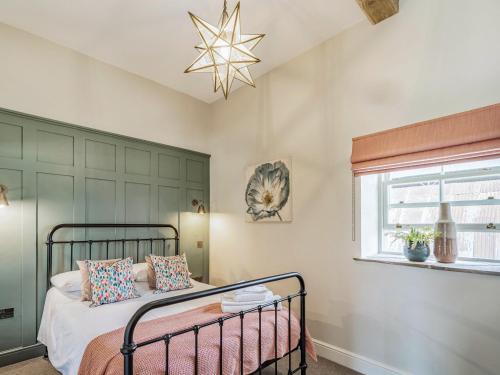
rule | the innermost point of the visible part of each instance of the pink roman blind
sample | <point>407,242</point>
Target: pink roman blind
<point>470,135</point>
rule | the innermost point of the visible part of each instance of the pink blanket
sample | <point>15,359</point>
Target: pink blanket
<point>102,355</point>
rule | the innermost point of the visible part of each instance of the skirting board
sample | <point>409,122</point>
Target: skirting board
<point>21,354</point>
<point>354,361</point>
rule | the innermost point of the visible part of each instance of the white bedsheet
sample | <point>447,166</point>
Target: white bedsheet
<point>68,324</point>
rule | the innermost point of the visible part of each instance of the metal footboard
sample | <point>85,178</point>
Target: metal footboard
<point>129,346</point>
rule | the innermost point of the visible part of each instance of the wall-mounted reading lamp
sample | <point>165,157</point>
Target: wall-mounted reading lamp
<point>4,202</point>
<point>199,204</point>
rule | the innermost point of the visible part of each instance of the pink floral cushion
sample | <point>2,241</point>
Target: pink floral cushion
<point>171,273</point>
<point>111,282</point>
<point>85,294</point>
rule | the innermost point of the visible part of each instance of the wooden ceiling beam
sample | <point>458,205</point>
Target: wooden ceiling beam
<point>379,10</point>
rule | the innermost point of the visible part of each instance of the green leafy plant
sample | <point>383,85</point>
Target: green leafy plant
<point>417,236</point>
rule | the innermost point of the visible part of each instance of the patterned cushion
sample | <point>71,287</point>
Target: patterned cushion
<point>111,282</point>
<point>171,273</point>
<point>151,273</point>
<point>85,294</point>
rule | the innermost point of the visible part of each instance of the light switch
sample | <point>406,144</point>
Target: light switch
<point>199,244</point>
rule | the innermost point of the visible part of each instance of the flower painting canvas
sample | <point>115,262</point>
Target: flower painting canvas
<point>268,191</point>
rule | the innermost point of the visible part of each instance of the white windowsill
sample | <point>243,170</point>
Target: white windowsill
<point>484,268</point>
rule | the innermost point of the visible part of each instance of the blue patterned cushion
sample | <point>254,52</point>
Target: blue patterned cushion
<point>111,283</point>
<point>171,273</point>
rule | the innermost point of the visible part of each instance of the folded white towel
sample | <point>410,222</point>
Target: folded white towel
<point>249,297</point>
<point>232,307</point>
<point>259,298</point>
<point>252,289</point>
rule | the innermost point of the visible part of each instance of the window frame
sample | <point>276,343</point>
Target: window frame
<point>384,182</point>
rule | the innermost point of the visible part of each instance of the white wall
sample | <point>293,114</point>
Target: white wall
<point>434,58</point>
<point>42,78</point>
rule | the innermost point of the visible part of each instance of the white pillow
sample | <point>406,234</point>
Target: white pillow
<point>67,281</point>
<point>140,271</point>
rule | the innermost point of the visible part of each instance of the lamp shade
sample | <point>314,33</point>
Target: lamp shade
<point>201,209</point>
<point>4,202</point>
<point>225,52</point>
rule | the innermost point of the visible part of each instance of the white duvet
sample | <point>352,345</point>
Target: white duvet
<point>68,324</point>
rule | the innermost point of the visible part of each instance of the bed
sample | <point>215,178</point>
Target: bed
<point>156,329</point>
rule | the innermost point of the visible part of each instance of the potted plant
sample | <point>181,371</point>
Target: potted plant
<point>416,247</point>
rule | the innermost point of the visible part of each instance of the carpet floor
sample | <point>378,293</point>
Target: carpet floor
<point>41,366</point>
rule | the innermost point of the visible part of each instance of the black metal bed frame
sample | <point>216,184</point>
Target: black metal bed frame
<point>129,346</point>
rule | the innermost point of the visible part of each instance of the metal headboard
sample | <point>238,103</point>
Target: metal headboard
<point>51,242</point>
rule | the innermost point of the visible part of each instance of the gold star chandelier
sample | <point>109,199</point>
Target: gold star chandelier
<point>224,51</point>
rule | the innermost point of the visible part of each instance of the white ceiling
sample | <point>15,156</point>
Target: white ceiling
<point>155,38</point>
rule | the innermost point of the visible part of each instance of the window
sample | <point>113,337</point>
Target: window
<point>411,199</point>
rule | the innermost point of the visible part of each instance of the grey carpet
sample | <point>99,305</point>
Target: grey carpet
<point>36,366</point>
<point>40,366</point>
<point>322,367</point>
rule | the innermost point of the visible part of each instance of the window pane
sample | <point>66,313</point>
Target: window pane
<point>473,188</point>
<point>476,214</point>
<point>479,245</point>
<point>418,192</point>
<point>414,172</point>
<point>462,190</point>
<point>482,164</point>
<point>391,245</point>
<point>417,215</point>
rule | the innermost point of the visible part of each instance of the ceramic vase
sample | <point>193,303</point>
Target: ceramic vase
<point>445,245</point>
<point>419,253</point>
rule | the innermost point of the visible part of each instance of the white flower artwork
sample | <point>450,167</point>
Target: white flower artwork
<point>268,190</point>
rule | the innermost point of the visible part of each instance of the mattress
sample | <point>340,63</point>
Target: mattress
<point>68,324</point>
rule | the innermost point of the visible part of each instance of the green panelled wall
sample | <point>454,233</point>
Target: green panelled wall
<point>57,173</point>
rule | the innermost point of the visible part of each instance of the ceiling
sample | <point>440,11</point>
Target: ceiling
<point>155,38</point>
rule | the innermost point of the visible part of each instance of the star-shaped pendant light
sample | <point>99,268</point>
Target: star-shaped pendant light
<point>224,51</point>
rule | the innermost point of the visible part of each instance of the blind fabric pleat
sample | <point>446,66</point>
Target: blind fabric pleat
<point>471,135</point>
